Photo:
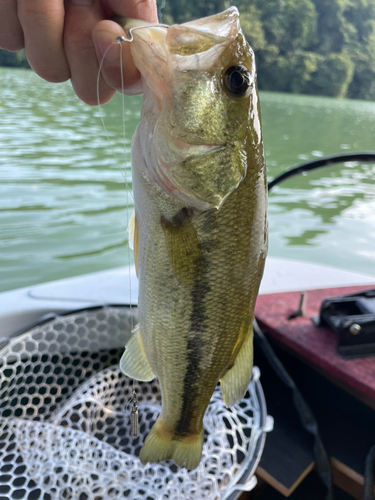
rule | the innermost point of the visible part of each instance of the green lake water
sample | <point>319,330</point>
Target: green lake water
<point>64,202</point>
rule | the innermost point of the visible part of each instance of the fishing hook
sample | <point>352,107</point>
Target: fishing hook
<point>129,31</point>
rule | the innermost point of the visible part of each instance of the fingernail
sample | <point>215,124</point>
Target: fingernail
<point>103,40</point>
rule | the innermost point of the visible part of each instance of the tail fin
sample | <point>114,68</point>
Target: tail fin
<point>161,444</point>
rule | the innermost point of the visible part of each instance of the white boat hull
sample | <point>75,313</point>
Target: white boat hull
<point>19,308</point>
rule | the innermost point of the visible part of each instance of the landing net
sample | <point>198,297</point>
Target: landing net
<point>65,430</point>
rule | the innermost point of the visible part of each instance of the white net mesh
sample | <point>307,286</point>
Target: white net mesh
<point>65,428</point>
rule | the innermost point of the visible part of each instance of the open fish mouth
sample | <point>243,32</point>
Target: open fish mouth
<point>153,45</point>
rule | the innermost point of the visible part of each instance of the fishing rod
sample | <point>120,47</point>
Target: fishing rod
<point>321,162</point>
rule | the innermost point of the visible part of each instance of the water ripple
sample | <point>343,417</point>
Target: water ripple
<point>64,201</point>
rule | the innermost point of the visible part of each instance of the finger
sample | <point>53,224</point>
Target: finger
<point>80,18</point>
<point>113,56</point>
<point>106,33</point>
<point>11,34</point>
<point>135,9</point>
<point>42,22</point>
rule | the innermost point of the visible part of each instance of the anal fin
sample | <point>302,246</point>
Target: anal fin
<point>134,362</point>
<point>236,380</point>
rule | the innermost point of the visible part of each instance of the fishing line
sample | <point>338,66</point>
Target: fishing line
<point>100,106</point>
<point>120,40</point>
<point>160,8</point>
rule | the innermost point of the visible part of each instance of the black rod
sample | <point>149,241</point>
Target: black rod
<point>321,162</point>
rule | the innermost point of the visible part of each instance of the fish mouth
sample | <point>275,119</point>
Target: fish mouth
<point>158,50</point>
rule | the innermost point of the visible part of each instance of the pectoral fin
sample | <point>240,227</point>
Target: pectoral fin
<point>134,362</point>
<point>236,380</point>
<point>183,247</point>
<point>133,238</point>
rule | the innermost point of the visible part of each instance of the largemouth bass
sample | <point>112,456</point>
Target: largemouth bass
<point>200,228</point>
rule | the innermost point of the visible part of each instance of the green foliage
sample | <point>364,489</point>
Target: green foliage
<point>331,26</point>
<point>13,59</point>
<point>332,76</point>
<point>361,46</point>
<point>292,70</point>
<point>252,27</point>
<point>290,25</point>
<point>309,46</point>
<point>322,47</point>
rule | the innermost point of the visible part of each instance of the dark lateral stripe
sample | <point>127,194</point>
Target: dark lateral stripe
<point>194,346</point>
<point>189,392</point>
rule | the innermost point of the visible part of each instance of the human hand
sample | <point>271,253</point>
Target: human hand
<point>67,39</point>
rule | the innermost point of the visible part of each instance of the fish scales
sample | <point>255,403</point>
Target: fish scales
<point>200,213</point>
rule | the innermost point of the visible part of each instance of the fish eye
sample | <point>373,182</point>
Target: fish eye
<point>237,80</point>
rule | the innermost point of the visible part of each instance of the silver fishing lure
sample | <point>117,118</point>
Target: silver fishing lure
<point>134,416</point>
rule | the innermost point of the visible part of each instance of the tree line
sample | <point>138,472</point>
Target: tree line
<point>303,46</point>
